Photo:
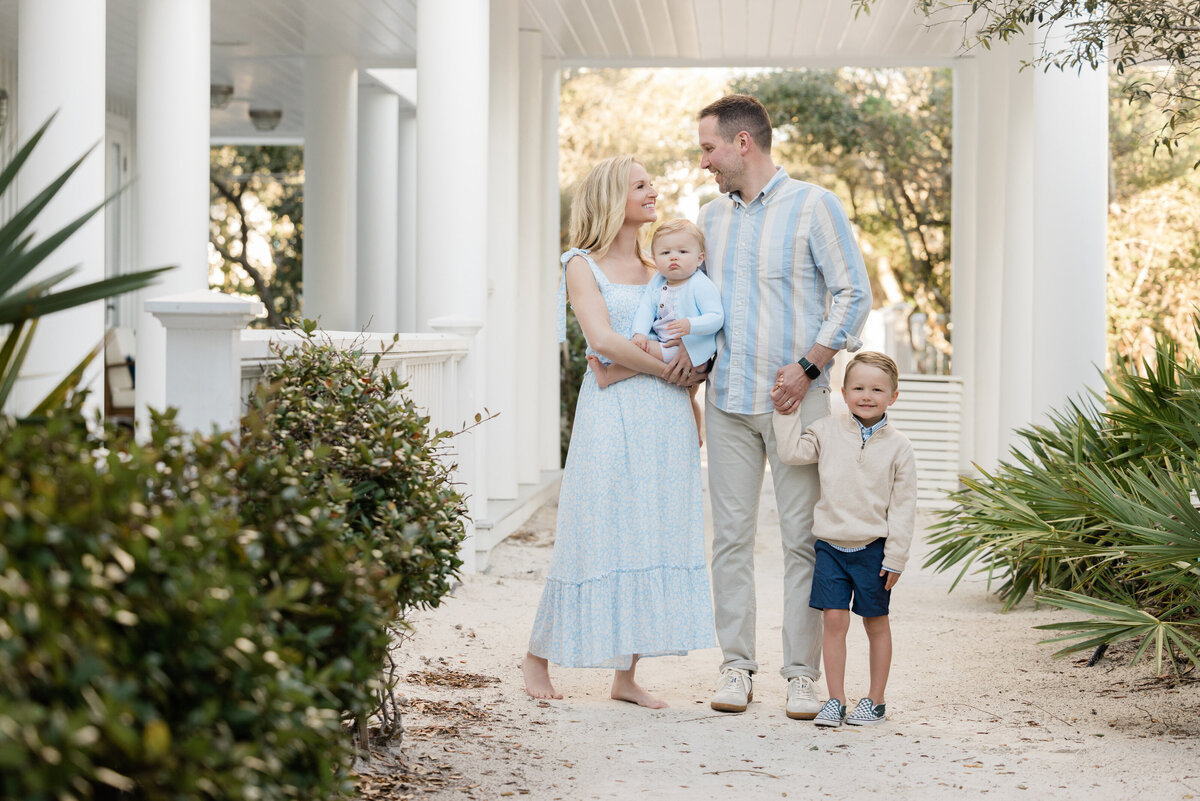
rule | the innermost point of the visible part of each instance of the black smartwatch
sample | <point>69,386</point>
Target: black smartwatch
<point>811,370</point>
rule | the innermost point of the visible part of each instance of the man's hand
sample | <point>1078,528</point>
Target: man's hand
<point>891,579</point>
<point>791,385</point>
<point>680,370</point>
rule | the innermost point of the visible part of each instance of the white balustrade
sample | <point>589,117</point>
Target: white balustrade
<point>428,363</point>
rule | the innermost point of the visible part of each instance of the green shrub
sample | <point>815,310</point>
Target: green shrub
<point>357,439</point>
<point>330,612</point>
<point>138,656</point>
<point>1095,512</point>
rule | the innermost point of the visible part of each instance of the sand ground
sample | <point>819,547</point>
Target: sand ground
<point>976,707</point>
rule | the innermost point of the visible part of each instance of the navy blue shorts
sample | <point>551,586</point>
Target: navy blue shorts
<point>839,575</point>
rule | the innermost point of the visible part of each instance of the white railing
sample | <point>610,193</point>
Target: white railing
<point>929,412</point>
<point>428,363</point>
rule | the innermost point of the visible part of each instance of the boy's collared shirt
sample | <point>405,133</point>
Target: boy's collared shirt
<point>776,259</point>
<point>867,431</point>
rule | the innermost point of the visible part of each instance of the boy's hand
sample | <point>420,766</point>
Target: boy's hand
<point>678,328</point>
<point>890,580</point>
<point>641,341</point>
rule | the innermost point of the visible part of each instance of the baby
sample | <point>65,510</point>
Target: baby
<point>680,303</point>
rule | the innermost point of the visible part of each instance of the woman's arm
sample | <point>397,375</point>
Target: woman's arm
<point>592,313</point>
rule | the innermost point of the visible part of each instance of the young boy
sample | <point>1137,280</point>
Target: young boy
<point>863,524</point>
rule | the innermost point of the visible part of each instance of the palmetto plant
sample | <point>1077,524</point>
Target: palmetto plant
<point>1096,512</point>
<point>20,307</point>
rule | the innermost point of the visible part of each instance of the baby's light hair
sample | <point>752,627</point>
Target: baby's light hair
<point>875,359</point>
<point>679,226</point>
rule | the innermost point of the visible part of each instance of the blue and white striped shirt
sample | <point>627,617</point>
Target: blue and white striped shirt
<point>775,260</point>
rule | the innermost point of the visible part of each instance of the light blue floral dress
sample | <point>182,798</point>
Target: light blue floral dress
<point>628,574</point>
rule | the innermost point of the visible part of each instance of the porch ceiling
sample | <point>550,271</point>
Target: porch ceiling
<point>259,46</point>
<point>757,33</point>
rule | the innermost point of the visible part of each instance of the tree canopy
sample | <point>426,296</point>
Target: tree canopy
<point>1163,36</point>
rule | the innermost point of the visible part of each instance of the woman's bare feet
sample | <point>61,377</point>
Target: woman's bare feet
<point>537,678</point>
<point>624,688</point>
<point>599,370</point>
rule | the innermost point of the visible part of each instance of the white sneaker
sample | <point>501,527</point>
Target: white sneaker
<point>802,701</point>
<point>734,692</point>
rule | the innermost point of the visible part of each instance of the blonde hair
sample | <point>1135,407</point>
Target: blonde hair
<point>598,210</point>
<point>874,359</point>
<point>679,227</point>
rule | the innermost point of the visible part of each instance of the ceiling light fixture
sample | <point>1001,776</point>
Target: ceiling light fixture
<point>219,95</point>
<point>266,119</point>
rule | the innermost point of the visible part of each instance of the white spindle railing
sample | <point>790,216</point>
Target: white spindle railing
<point>428,363</point>
<point>929,412</point>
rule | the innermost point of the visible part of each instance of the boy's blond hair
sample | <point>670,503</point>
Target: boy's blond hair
<point>680,226</point>
<point>875,359</point>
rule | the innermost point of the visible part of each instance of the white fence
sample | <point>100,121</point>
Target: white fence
<point>929,412</point>
<point>429,363</point>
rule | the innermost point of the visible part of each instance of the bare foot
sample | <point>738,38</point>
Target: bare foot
<point>537,678</point>
<point>599,370</point>
<point>631,691</point>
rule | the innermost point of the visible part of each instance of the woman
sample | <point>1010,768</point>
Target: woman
<point>628,576</point>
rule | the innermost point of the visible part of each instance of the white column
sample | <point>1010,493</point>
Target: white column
<point>469,445</point>
<point>452,184</point>
<point>452,173</point>
<point>1015,338</point>
<point>172,168</point>
<point>507,353</point>
<point>60,67</point>
<point>983,391</point>
<point>1034,312</point>
<point>330,141</point>
<point>549,362</point>
<point>406,222</point>
<point>964,248</point>
<point>204,356</point>
<point>529,280</point>
<point>1070,204</point>
<point>378,199</point>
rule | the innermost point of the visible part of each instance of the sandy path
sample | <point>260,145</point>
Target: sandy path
<point>975,706</point>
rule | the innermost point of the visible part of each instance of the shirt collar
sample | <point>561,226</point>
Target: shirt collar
<point>867,431</point>
<point>764,194</point>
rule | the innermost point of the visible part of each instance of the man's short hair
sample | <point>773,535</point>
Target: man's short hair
<point>679,226</point>
<point>736,113</point>
<point>875,359</point>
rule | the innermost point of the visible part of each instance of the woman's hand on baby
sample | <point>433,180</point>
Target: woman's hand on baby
<point>678,328</point>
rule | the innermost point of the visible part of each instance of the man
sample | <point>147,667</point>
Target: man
<point>777,247</point>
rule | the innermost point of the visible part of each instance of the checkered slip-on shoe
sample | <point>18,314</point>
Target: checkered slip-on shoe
<point>867,713</point>
<point>832,714</point>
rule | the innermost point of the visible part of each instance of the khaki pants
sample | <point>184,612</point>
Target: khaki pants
<point>739,445</point>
